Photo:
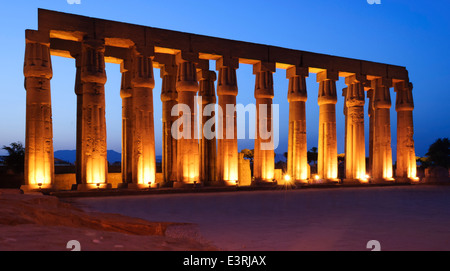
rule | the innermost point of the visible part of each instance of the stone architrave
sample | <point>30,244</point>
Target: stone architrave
<point>208,138</point>
<point>188,157</point>
<point>297,161</point>
<point>406,157</point>
<point>227,151</point>
<point>264,156</point>
<point>39,159</point>
<point>327,167</point>
<point>382,152</point>
<point>355,158</point>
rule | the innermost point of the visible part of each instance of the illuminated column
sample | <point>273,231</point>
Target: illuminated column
<point>188,157</point>
<point>39,166</point>
<point>264,159</point>
<point>208,138</point>
<point>371,128</point>
<point>355,157</point>
<point>382,152</point>
<point>93,164</point>
<point>227,151</point>
<point>406,157</point>
<point>297,161</point>
<point>327,167</point>
<point>169,101</point>
<point>127,126</point>
<point>143,82</point>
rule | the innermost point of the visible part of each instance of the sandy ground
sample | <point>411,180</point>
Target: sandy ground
<point>36,222</point>
<point>400,218</point>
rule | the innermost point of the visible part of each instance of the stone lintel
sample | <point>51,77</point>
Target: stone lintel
<point>231,62</point>
<point>37,36</point>
<point>262,66</point>
<point>166,64</point>
<point>71,27</point>
<point>382,82</point>
<point>206,75</point>
<point>355,78</point>
<point>185,56</point>
<point>297,71</point>
<point>202,64</point>
<point>327,75</point>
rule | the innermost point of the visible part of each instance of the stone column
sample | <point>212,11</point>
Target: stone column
<point>227,152</point>
<point>143,82</point>
<point>355,157</point>
<point>297,160</point>
<point>371,129</point>
<point>188,157</point>
<point>382,152</point>
<point>406,157</point>
<point>79,127</point>
<point>169,100</point>
<point>127,125</point>
<point>39,160</point>
<point>327,167</point>
<point>208,137</point>
<point>264,159</point>
<point>93,161</point>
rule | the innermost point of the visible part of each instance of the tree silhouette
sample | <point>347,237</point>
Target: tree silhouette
<point>439,153</point>
<point>16,158</point>
<point>312,155</point>
<point>248,154</point>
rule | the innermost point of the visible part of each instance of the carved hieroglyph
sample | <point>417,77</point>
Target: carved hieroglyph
<point>406,157</point>
<point>143,82</point>
<point>208,138</point>
<point>264,159</point>
<point>94,164</point>
<point>382,152</point>
<point>355,157</point>
<point>327,156</point>
<point>39,161</point>
<point>188,157</point>
<point>169,100</point>
<point>227,151</point>
<point>297,161</point>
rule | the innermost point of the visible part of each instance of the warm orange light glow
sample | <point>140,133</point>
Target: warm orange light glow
<point>95,170</point>
<point>365,178</point>
<point>316,177</point>
<point>415,179</point>
<point>287,178</point>
<point>231,174</point>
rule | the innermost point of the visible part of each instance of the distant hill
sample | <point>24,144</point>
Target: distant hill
<point>70,155</point>
<point>112,156</point>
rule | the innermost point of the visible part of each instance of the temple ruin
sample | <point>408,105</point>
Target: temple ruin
<point>183,61</point>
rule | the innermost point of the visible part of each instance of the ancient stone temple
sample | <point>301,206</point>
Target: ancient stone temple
<point>198,152</point>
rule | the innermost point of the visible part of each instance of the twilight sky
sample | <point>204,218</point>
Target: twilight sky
<point>415,34</point>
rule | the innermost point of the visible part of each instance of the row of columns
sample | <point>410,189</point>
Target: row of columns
<point>185,160</point>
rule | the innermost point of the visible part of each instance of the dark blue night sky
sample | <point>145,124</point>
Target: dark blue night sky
<point>415,34</point>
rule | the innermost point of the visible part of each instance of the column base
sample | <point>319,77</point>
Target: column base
<point>186,185</point>
<point>135,186</point>
<point>402,180</point>
<point>324,181</point>
<point>354,181</point>
<point>87,187</point>
<point>264,183</point>
<point>31,189</point>
<point>382,181</point>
